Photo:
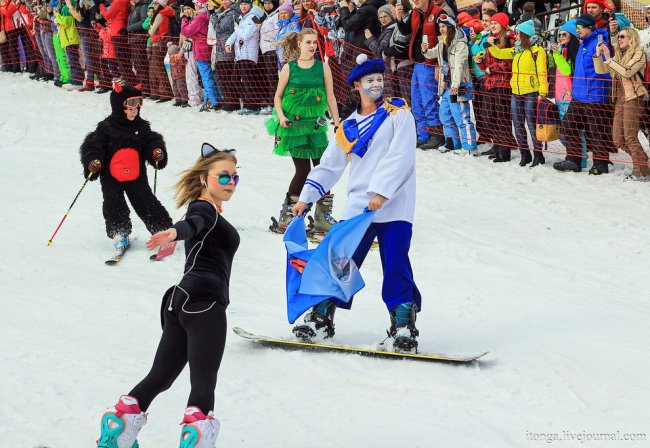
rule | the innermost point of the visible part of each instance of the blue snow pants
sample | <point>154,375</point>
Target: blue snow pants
<point>457,122</point>
<point>209,86</point>
<point>394,243</point>
<point>424,99</point>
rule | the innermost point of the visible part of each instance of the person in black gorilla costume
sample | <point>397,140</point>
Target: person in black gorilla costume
<point>116,152</point>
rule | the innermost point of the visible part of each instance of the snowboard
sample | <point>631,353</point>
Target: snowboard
<point>293,344</point>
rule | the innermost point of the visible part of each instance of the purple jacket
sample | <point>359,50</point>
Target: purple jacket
<point>197,29</point>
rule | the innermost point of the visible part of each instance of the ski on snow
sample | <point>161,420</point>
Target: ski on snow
<point>293,344</point>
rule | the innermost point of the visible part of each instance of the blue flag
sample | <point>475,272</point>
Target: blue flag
<point>314,275</point>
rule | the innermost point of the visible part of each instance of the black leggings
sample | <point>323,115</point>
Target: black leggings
<point>303,167</point>
<point>195,338</point>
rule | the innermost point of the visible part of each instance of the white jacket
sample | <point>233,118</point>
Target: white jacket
<point>387,168</point>
<point>245,40</point>
<point>268,32</point>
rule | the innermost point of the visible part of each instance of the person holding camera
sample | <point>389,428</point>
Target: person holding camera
<point>629,95</point>
<point>589,110</point>
<point>454,85</point>
<point>305,91</point>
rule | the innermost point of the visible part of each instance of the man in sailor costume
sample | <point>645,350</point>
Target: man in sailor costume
<point>379,142</point>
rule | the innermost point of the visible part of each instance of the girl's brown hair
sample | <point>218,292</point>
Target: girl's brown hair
<point>524,39</point>
<point>190,186</point>
<point>291,43</point>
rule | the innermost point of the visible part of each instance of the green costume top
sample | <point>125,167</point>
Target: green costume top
<point>304,101</point>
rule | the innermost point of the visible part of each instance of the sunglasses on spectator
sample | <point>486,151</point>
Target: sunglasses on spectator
<point>207,149</point>
<point>622,36</point>
<point>225,178</point>
<point>133,102</point>
<point>563,34</point>
<point>579,27</point>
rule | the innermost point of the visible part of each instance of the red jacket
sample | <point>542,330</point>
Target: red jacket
<point>429,28</point>
<point>118,14</point>
<point>165,14</point>
<point>500,69</point>
<point>6,14</point>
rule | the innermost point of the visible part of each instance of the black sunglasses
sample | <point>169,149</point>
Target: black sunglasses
<point>207,149</point>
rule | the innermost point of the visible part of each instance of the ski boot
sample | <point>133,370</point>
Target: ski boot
<point>199,430</point>
<point>280,225</point>
<point>402,329</point>
<point>319,323</point>
<point>121,424</point>
<point>121,242</point>
<point>322,221</point>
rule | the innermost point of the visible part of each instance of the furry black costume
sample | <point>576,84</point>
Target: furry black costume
<point>122,147</point>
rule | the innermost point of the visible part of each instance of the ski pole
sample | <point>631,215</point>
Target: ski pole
<point>155,178</point>
<point>49,242</point>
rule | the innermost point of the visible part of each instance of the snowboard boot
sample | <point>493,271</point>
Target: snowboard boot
<point>538,159</point>
<point>319,323</point>
<point>526,158</point>
<point>121,424</point>
<point>448,146</point>
<point>199,430</point>
<point>567,165</point>
<point>280,225</point>
<point>402,329</point>
<point>121,242</point>
<point>502,154</point>
<point>323,220</point>
<point>599,168</point>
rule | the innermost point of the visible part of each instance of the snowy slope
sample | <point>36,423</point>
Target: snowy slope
<point>548,271</point>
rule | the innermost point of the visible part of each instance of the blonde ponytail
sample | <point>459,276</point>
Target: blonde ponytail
<point>290,44</point>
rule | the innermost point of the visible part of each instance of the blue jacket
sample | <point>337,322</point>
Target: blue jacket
<point>589,86</point>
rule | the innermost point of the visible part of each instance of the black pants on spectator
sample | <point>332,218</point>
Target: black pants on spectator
<point>595,119</point>
<point>193,337</point>
<point>246,71</point>
<point>123,57</point>
<point>497,114</point>
<point>157,73</point>
<point>269,68</point>
<point>228,83</point>
<point>138,45</point>
<point>10,55</point>
<point>479,102</point>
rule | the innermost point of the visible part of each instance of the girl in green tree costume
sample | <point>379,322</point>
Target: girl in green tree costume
<point>305,91</point>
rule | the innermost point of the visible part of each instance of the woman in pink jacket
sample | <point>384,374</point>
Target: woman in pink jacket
<point>117,16</point>
<point>196,28</point>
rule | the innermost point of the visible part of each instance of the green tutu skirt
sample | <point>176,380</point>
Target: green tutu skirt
<point>304,140</point>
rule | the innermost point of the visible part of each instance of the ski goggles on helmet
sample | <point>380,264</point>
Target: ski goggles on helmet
<point>225,178</point>
<point>135,101</point>
<point>207,149</point>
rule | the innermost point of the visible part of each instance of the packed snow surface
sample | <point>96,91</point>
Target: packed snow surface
<point>547,271</point>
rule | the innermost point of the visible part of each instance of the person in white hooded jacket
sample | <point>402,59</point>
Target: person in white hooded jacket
<point>245,42</point>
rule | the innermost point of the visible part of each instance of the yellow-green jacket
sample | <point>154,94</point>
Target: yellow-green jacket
<point>529,69</point>
<point>68,33</point>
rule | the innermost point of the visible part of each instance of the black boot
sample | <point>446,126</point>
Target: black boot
<point>402,329</point>
<point>492,152</point>
<point>502,154</point>
<point>319,323</point>
<point>526,158</point>
<point>538,159</point>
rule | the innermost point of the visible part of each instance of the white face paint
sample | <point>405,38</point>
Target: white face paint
<point>372,85</point>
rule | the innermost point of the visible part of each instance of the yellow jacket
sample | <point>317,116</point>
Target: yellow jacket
<point>68,33</point>
<point>529,69</point>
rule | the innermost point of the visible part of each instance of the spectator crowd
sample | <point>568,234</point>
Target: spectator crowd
<point>484,75</point>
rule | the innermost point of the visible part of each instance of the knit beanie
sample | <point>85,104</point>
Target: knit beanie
<point>605,4</point>
<point>570,27</point>
<point>623,22</point>
<point>447,20</point>
<point>527,28</point>
<point>586,20</point>
<point>386,10</point>
<point>502,19</point>
<point>286,6</point>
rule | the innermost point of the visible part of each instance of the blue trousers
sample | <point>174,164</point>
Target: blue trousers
<point>424,99</point>
<point>207,77</point>
<point>457,122</point>
<point>523,110</point>
<point>394,243</point>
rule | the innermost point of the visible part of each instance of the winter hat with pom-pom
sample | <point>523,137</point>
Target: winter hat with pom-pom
<point>365,66</point>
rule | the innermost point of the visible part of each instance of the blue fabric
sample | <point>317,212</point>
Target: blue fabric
<point>562,106</point>
<point>589,86</point>
<point>284,27</point>
<point>478,48</point>
<point>363,130</point>
<point>209,86</point>
<point>330,271</point>
<point>398,285</point>
<point>76,74</point>
<point>570,27</point>
<point>457,122</point>
<point>424,99</point>
<point>522,109</point>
